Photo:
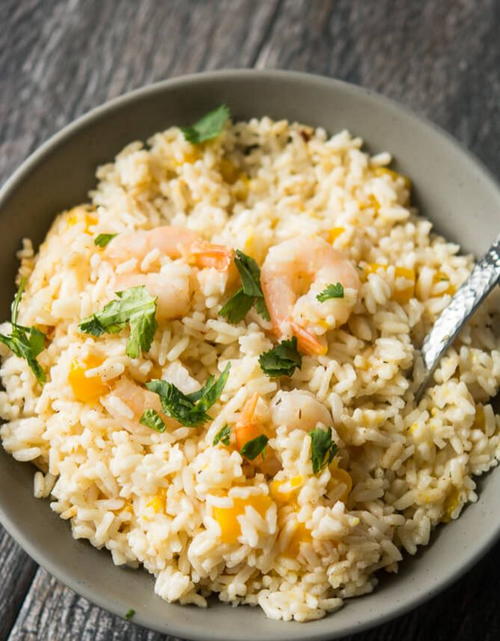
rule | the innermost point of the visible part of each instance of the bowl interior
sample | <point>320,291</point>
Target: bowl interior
<point>451,189</point>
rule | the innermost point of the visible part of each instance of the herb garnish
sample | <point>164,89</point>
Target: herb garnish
<point>130,614</point>
<point>253,448</point>
<point>223,436</point>
<point>323,449</point>
<point>335,290</point>
<point>282,359</point>
<point>236,308</point>
<point>25,342</point>
<point>250,293</point>
<point>208,127</point>
<point>151,418</point>
<point>189,409</point>
<point>101,240</point>
<point>134,307</point>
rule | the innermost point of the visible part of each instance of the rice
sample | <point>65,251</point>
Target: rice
<point>301,542</point>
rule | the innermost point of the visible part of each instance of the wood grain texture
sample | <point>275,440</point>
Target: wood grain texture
<point>16,574</point>
<point>52,612</point>
<point>442,59</point>
<point>60,58</point>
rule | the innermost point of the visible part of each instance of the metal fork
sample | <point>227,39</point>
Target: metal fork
<point>483,278</point>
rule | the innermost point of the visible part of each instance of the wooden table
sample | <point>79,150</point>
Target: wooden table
<point>59,58</point>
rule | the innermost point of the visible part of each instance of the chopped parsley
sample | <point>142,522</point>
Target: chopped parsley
<point>253,448</point>
<point>236,308</point>
<point>335,290</point>
<point>323,449</point>
<point>25,342</point>
<point>281,360</point>
<point>223,436</point>
<point>249,273</point>
<point>130,614</point>
<point>250,293</point>
<point>134,307</point>
<point>189,409</point>
<point>103,239</point>
<point>208,127</point>
<point>151,418</point>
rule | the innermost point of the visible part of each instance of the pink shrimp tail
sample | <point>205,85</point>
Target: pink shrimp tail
<point>308,343</point>
<point>205,254</point>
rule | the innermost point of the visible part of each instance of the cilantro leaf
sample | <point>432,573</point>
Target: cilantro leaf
<point>236,308</point>
<point>142,331</point>
<point>101,240</point>
<point>261,307</point>
<point>189,409</point>
<point>25,342</point>
<point>223,436</point>
<point>208,127</point>
<point>133,306</point>
<point>92,325</point>
<point>178,405</point>
<point>151,418</point>
<point>334,290</point>
<point>130,614</point>
<point>250,274</point>
<point>282,359</point>
<point>323,449</point>
<point>211,390</point>
<point>253,448</point>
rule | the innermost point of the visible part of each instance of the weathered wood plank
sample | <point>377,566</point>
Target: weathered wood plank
<point>439,58</point>
<point>16,574</point>
<point>52,612</point>
<point>59,59</point>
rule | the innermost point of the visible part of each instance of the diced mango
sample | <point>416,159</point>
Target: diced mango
<point>403,295</point>
<point>385,171</point>
<point>229,172</point>
<point>156,371</point>
<point>334,233</point>
<point>81,214</point>
<point>300,535</point>
<point>189,157</point>
<point>399,295</point>
<point>479,417</point>
<point>340,476</point>
<point>157,502</point>
<point>227,517</point>
<point>451,504</point>
<point>371,202</point>
<point>440,276</point>
<point>241,187</point>
<point>282,495</point>
<point>86,389</point>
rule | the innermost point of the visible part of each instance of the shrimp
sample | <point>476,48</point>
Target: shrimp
<point>293,274</point>
<point>299,409</point>
<point>127,402</point>
<point>171,286</point>
<point>175,242</point>
<point>249,427</point>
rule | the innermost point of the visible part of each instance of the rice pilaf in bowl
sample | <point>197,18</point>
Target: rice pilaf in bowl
<point>210,364</point>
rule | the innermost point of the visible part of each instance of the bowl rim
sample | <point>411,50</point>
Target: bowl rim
<point>229,74</point>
